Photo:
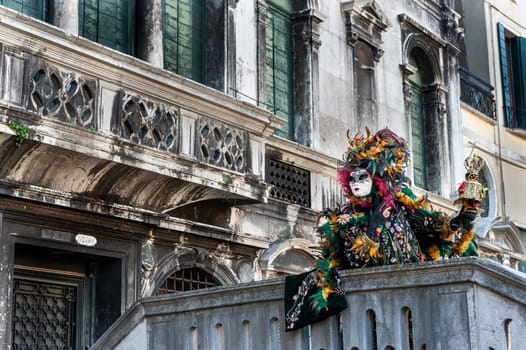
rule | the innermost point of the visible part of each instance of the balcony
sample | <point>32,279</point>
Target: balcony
<point>476,93</point>
<point>469,303</point>
<point>104,127</point>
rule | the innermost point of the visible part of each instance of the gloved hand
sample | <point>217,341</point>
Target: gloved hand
<point>465,217</point>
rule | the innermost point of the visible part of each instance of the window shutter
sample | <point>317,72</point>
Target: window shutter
<point>279,68</point>
<point>32,8</point>
<point>108,22</point>
<point>504,75</point>
<point>518,50</point>
<point>417,136</point>
<point>183,37</point>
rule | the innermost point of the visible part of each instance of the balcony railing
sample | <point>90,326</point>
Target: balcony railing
<point>469,303</point>
<point>477,93</point>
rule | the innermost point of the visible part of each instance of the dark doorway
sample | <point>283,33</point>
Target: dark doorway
<point>63,299</point>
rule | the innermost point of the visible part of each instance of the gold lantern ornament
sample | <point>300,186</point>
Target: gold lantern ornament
<point>471,188</point>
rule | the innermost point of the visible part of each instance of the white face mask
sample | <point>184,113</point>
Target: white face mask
<point>360,182</point>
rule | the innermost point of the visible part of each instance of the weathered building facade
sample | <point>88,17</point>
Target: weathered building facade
<point>494,120</point>
<point>149,147</point>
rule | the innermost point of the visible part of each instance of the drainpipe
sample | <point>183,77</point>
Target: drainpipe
<point>491,8</point>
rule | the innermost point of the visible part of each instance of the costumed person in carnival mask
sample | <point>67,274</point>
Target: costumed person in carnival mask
<point>382,223</point>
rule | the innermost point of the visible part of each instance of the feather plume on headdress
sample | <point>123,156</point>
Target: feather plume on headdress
<point>384,154</point>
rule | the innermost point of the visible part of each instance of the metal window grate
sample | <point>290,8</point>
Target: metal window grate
<point>43,315</point>
<point>187,279</point>
<point>289,183</point>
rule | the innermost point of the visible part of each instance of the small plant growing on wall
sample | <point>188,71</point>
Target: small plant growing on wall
<point>21,132</point>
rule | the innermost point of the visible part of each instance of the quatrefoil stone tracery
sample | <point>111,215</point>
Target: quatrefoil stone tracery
<point>222,145</point>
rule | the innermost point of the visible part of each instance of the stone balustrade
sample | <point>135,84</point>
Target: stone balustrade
<point>469,303</point>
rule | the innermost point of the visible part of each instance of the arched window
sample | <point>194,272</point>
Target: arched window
<point>109,23</point>
<point>484,206</point>
<point>407,335</point>
<point>487,208</point>
<point>424,133</point>
<point>187,279</point>
<point>278,58</point>
<point>417,125</point>
<point>193,40</point>
<point>364,83</point>
<point>371,336</point>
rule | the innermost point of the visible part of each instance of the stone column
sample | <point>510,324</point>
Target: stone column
<point>306,39</point>
<point>150,32</point>
<point>261,15</point>
<point>6,280</point>
<point>65,15</point>
<point>231,49</point>
<point>453,34</point>
<point>437,138</point>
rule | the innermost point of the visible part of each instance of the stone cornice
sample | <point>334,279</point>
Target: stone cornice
<point>406,19</point>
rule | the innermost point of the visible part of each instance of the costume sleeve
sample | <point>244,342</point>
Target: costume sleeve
<point>438,234</point>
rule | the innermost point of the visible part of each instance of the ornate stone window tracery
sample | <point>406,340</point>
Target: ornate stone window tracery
<point>66,96</point>
<point>148,123</point>
<point>222,145</point>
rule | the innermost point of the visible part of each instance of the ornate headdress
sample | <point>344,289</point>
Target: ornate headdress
<point>384,154</point>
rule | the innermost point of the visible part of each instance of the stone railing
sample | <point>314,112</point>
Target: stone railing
<point>469,303</point>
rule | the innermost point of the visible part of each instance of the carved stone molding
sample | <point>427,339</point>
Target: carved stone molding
<point>452,32</point>
<point>407,70</point>
<point>365,21</point>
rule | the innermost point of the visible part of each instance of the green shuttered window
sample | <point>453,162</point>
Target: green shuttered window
<point>183,40</point>
<point>32,8</point>
<point>512,52</point>
<point>108,22</point>
<point>417,127</point>
<point>278,53</point>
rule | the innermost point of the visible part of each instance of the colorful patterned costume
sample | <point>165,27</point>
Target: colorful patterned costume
<point>388,226</point>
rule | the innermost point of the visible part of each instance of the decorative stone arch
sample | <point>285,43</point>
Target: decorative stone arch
<point>421,41</point>
<point>427,47</point>
<point>504,244</point>
<point>285,257</point>
<point>183,258</point>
